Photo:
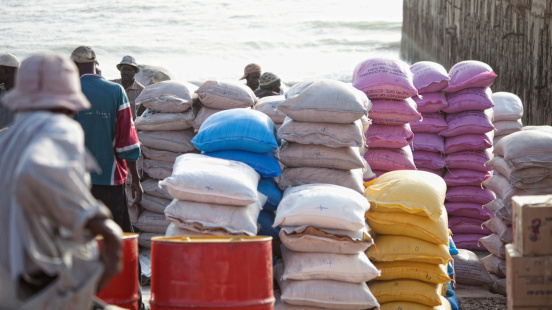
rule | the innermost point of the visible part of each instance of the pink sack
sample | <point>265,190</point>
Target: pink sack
<point>467,142</point>
<point>394,112</point>
<point>469,99</point>
<point>474,194</point>
<point>390,159</point>
<point>468,241</point>
<point>466,209</point>
<point>467,225</point>
<point>430,102</point>
<point>439,172</point>
<point>430,123</point>
<point>468,122</point>
<point>460,177</point>
<point>430,142</point>
<point>470,74</point>
<point>430,160</point>
<point>474,160</point>
<point>429,76</point>
<point>390,136</point>
<point>382,78</point>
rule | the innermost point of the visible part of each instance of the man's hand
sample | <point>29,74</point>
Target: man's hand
<point>111,250</point>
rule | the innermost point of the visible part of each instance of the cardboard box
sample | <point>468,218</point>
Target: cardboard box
<point>532,224</point>
<point>529,279</point>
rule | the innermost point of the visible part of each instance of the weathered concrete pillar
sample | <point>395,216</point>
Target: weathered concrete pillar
<point>513,36</point>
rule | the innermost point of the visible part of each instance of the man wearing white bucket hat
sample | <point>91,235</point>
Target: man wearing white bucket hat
<point>8,68</point>
<point>128,68</point>
<point>49,258</point>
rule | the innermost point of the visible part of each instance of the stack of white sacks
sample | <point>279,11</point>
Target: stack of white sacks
<point>428,146</point>
<point>388,84</point>
<point>323,135</point>
<point>217,192</point>
<point>507,113</point>
<point>165,132</point>
<point>323,232</point>
<point>468,145</point>
<point>216,96</point>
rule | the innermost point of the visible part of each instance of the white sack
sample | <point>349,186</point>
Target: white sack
<point>156,121</point>
<point>173,141</point>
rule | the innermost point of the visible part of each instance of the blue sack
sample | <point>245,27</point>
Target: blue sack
<point>237,129</point>
<point>451,297</point>
<point>269,188</point>
<point>264,163</point>
<point>452,247</point>
<point>266,220</point>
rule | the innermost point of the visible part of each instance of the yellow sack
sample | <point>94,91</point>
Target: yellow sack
<point>390,248</point>
<point>411,225</point>
<point>406,290</point>
<point>403,305</point>
<point>412,270</point>
<point>410,191</point>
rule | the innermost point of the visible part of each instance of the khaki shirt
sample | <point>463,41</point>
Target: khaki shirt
<point>133,91</point>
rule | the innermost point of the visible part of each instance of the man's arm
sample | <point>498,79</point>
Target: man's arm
<point>136,187</point>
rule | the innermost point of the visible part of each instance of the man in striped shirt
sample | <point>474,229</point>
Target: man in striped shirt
<point>110,136</point>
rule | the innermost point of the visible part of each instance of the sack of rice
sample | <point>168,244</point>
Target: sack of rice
<point>179,141</point>
<point>226,95</point>
<point>473,160</point>
<point>327,134</point>
<point>167,96</point>
<point>469,99</point>
<point>474,194</point>
<point>269,106</point>
<point>527,148</point>
<point>394,112</point>
<point>152,222</point>
<point>151,187</point>
<point>389,136</point>
<point>470,74</point>
<point>468,241</point>
<point>424,293</point>
<point>468,209</point>
<point>469,269</point>
<point>154,204</point>
<point>469,142</point>
<point>157,169</point>
<point>430,273</point>
<point>159,155</point>
<point>467,225</point>
<point>313,239</point>
<point>352,179</point>
<point>503,128</point>
<point>402,248</point>
<point>203,114</point>
<point>429,160</point>
<point>325,101</point>
<point>462,177</point>
<point>430,123</point>
<point>264,164</point>
<point>385,159</point>
<point>319,156</point>
<point>201,178</point>
<point>382,78</point>
<point>429,77</point>
<point>508,107</point>
<point>429,142</point>
<point>495,265</point>
<point>430,102</point>
<point>269,188</point>
<point>156,121</point>
<point>468,122</point>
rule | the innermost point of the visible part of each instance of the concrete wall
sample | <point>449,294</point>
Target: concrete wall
<point>513,36</point>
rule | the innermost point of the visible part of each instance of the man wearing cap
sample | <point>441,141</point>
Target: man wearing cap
<point>251,74</point>
<point>110,136</point>
<point>49,257</point>
<point>128,68</point>
<point>8,68</point>
<point>270,85</point>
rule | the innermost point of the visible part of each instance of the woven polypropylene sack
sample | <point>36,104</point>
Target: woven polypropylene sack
<point>389,136</point>
<point>328,134</point>
<point>430,102</point>
<point>314,155</point>
<point>391,248</point>
<point>226,95</point>
<point>269,106</point>
<point>157,121</point>
<point>430,273</point>
<point>469,269</point>
<point>469,99</point>
<point>311,239</point>
<point>429,76</point>
<point>470,74</point>
<point>383,78</point>
<point>352,179</point>
<point>407,290</point>
<point>167,96</point>
<point>179,141</point>
<point>264,163</point>
<point>508,107</point>
<point>394,112</point>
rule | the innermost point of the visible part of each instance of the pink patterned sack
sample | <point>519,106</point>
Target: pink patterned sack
<point>439,172</point>
<point>394,112</point>
<point>469,241</point>
<point>468,122</point>
<point>474,194</point>
<point>430,142</point>
<point>467,225</point>
<point>429,76</point>
<point>430,123</point>
<point>474,160</point>
<point>467,142</point>
<point>460,177</point>
<point>470,74</point>
<point>386,159</point>
<point>382,78</point>
<point>467,209</point>
<point>430,160</point>
<point>390,136</point>
<point>469,99</point>
<point>430,102</point>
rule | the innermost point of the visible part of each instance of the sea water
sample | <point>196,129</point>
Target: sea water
<point>210,39</point>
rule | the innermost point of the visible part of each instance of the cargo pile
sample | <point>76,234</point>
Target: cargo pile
<point>428,146</point>
<point>388,84</point>
<point>468,143</point>
<point>408,216</point>
<point>507,113</point>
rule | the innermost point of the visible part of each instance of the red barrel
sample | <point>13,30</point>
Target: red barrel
<point>211,272</point>
<point>122,289</point>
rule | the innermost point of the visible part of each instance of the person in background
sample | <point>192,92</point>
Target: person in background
<point>8,68</point>
<point>270,85</point>
<point>49,257</point>
<point>251,74</point>
<point>111,137</point>
<point>128,68</point>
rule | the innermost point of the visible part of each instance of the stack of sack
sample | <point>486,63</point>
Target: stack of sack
<point>237,150</point>
<point>322,135</point>
<point>428,146</point>
<point>507,113</point>
<point>408,217</point>
<point>165,132</point>
<point>470,271</point>
<point>216,96</point>
<point>324,237</point>
<point>468,145</point>
<point>388,84</point>
<point>269,106</point>
<point>522,166</point>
